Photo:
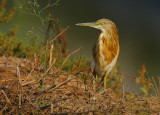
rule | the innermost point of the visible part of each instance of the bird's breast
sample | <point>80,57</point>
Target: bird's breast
<point>107,51</point>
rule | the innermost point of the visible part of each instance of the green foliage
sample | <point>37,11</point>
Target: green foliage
<point>3,16</point>
<point>10,46</point>
<point>32,7</point>
<point>145,84</point>
<point>113,80</point>
<point>77,63</point>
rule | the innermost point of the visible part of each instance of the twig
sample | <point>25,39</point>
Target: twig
<point>33,81</point>
<point>81,112</point>
<point>19,85</point>
<point>33,105</point>
<point>62,40</point>
<point>134,77</point>
<point>123,91</point>
<point>49,89</point>
<point>75,71</point>
<point>4,108</point>
<point>156,87</point>
<point>51,108</point>
<point>51,64</point>
<point>78,64</point>
<point>28,76</point>
<point>18,74</point>
<point>62,83</point>
<point>51,55</point>
<point>59,34</point>
<point>100,93</point>
<point>126,75</point>
<point>6,97</point>
<point>68,57</point>
<point>50,43</point>
<point>6,62</point>
<point>48,105</point>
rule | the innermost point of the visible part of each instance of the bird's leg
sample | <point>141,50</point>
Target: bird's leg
<point>95,84</point>
<point>105,81</point>
<point>95,79</point>
<point>102,80</point>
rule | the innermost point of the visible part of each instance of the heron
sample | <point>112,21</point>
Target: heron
<point>106,49</point>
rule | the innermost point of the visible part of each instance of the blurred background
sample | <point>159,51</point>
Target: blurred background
<point>138,23</point>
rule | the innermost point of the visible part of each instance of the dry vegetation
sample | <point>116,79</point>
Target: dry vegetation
<point>63,92</point>
<point>56,82</point>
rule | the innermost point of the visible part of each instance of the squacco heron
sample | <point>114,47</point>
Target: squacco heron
<point>106,48</point>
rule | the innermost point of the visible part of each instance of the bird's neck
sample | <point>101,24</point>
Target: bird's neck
<point>110,36</point>
<point>110,33</point>
<point>108,46</point>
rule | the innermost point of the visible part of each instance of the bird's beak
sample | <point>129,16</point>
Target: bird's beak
<point>90,24</point>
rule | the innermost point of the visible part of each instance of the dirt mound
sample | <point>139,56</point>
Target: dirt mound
<point>26,89</point>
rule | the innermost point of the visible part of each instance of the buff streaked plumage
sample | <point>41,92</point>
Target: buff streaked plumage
<point>106,48</point>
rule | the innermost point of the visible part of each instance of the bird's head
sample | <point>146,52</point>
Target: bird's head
<point>102,24</point>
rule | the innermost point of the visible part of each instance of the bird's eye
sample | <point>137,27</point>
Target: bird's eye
<point>98,23</point>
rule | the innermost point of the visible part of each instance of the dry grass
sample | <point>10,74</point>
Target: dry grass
<point>62,93</point>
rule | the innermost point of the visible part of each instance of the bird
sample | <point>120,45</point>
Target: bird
<point>106,49</point>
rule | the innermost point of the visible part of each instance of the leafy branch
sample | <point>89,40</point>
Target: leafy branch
<point>32,7</point>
